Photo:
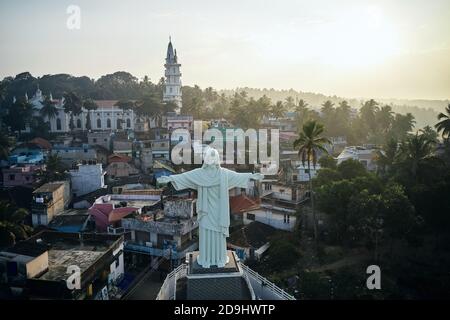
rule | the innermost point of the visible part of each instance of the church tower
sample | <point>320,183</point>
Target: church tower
<point>172,87</point>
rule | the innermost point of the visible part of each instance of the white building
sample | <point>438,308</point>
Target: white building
<point>106,117</point>
<point>172,88</point>
<point>365,155</point>
<point>87,178</point>
<point>303,171</point>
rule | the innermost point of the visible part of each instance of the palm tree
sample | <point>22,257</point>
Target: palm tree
<point>278,110</point>
<point>386,157</point>
<point>73,105</point>
<point>430,133</point>
<point>54,170</point>
<point>415,150</point>
<point>444,125</point>
<point>89,105</point>
<point>302,112</point>
<point>308,143</point>
<point>290,104</point>
<point>48,109</point>
<point>12,225</point>
<point>151,107</point>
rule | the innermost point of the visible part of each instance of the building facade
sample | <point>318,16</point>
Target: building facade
<point>49,200</point>
<point>87,178</point>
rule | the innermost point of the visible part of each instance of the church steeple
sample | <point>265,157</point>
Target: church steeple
<point>170,53</point>
<point>172,87</point>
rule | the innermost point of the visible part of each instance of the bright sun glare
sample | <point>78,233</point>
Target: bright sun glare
<point>359,38</point>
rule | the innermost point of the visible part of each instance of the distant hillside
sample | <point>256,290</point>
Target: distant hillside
<point>424,111</point>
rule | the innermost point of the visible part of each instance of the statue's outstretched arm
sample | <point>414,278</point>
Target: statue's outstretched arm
<point>257,176</point>
<point>164,179</point>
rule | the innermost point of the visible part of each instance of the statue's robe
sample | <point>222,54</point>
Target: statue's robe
<point>213,211</point>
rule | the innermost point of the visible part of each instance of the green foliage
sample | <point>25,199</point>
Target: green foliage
<point>283,254</point>
<point>19,114</point>
<point>326,175</point>
<point>12,227</point>
<point>443,126</point>
<point>327,161</point>
<point>351,169</point>
<point>54,170</point>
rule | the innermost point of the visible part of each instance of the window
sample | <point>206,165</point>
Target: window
<point>119,123</point>
<point>99,123</point>
<point>27,178</point>
<point>251,216</point>
<point>58,124</point>
<point>108,123</point>
<point>12,177</point>
<point>128,123</point>
<point>105,140</point>
<point>79,123</point>
<point>170,89</point>
<point>94,140</point>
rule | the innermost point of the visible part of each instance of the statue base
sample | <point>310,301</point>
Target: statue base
<point>216,283</point>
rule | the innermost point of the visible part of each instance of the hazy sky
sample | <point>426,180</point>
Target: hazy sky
<point>380,49</point>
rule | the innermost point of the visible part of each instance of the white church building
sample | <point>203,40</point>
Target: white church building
<point>107,116</point>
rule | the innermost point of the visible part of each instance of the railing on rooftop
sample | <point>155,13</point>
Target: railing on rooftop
<point>263,288</point>
<point>169,287</point>
<point>260,288</point>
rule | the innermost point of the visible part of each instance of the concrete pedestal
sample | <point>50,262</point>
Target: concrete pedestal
<point>226,283</point>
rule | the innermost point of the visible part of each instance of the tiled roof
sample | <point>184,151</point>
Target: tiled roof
<point>106,103</point>
<point>118,158</point>
<point>242,203</point>
<point>119,213</point>
<point>44,144</point>
<point>254,235</point>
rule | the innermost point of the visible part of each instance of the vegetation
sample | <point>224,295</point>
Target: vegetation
<point>309,143</point>
<point>12,227</point>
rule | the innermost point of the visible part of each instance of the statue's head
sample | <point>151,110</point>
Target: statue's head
<point>211,157</point>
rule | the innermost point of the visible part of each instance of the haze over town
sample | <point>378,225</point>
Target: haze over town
<point>370,49</point>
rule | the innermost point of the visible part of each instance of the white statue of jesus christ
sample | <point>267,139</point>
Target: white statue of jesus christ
<point>212,183</point>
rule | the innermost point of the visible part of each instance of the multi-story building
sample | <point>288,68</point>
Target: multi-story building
<point>49,200</point>
<point>87,178</point>
<point>19,175</point>
<point>170,233</point>
<point>71,155</point>
<point>41,267</point>
<point>175,121</point>
<point>160,149</point>
<point>364,154</point>
<point>100,138</point>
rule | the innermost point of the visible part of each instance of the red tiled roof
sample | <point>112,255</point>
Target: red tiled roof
<point>119,213</point>
<point>106,103</point>
<point>44,144</point>
<point>242,203</point>
<point>118,158</point>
